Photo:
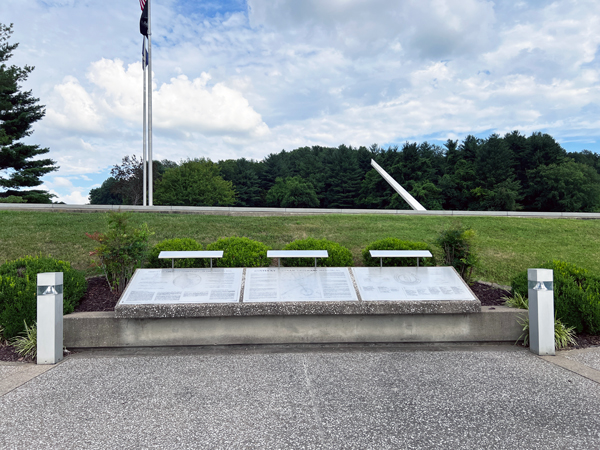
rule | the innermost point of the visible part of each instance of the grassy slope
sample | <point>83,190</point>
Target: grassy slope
<point>507,245</point>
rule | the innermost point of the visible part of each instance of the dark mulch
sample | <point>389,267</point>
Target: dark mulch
<point>489,295</point>
<point>98,296</point>
<point>7,353</point>
<point>587,340</point>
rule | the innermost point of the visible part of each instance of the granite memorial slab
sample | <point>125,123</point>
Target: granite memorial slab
<point>411,284</point>
<point>298,284</point>
<point>181,286</point>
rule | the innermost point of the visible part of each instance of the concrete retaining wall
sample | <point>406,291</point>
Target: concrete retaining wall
<point>240,211</point>
<point>102,329</point>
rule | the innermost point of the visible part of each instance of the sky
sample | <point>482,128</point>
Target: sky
<point>246,78</point>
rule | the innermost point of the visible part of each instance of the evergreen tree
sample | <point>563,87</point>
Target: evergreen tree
<point>19,166</point>
<point>344,178</point>
<point>241,172</point>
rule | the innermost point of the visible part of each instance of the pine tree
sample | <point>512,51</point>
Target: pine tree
<point>19,166</point>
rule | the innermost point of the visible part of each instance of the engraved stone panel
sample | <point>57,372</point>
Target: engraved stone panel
<point>289,284</point>
<point>168,286</point>
<point>411,283</point>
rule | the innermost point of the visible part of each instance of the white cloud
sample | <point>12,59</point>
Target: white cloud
<point>194,107</point>
<point>180,105</point>
<point>61,182</point>
<point>76,197</point>
<point>430,28</point>
<point>73,108</point>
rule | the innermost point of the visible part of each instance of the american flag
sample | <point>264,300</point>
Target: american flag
<point>144,18</point>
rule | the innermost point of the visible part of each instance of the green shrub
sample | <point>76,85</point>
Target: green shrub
<point>576,295</point>
<point>123,248</point>
<point>18,290</point>
<point>240,252</point>
<point>458,246</point>
<point>169,245</point>
<point>339,256</point>
<point>12,199</point>
<point>397,244</point>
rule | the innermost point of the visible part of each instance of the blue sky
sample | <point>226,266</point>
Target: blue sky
<point>247,78</point>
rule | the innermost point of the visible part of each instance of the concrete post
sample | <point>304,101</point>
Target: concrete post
<point>49,317</point>
<point>541,311</point>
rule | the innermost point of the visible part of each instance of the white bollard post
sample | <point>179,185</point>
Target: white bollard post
<point>541,311</point>
<point>49,317</point>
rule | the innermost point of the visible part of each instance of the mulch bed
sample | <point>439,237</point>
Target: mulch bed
<point>99,297</point>
<point>8,354</point>
<point>489,295</point>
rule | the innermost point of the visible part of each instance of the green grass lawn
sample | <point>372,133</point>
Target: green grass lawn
<point>506,245</point>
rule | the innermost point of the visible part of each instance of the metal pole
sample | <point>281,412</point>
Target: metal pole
<point>144,165</point>
<point>150,177</point>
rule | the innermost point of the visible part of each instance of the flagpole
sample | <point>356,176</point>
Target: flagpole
<point>144,165</point>
<point>150,177</point>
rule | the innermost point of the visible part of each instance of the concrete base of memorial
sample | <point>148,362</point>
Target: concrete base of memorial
<point>103,329</point>
<point>188,307</point>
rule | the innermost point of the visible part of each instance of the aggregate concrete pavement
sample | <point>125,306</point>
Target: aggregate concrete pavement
<point>375,396</point>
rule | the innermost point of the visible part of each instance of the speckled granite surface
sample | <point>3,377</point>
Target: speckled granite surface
<point>300,307</point>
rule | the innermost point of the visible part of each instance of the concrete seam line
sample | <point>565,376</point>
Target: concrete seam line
<point>18,379</point>
<point>313,400</point>
<point>574,366</point>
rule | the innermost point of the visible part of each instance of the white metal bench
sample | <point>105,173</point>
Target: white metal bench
<point>399,254</point>
<point>190,254</point>
<point>297,254</point>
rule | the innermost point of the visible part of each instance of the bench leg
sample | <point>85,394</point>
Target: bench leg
<point>173,264</point>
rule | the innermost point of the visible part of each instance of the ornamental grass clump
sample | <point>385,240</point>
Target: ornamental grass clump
<point>339,256</point>
<point>168,245</point>
<point>18,290</point>
<point>240,252</point>
<point>25,345</point>
<point>123,248</point>
<point>564,336</point>
<point>397,244</point>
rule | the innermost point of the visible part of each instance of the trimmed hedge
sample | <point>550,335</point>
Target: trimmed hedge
<point>339,256</point>
<point>18,290</point>
<point>185,244</point>
<point>240,252</point>
<point>576,295</point>
<point>397,244</point>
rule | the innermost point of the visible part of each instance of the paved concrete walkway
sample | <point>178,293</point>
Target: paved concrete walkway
<point>390,396</point>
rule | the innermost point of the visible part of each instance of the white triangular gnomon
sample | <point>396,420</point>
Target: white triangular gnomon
<point>414,204</point>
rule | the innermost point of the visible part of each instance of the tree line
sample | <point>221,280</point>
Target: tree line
<point>499,173</point>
